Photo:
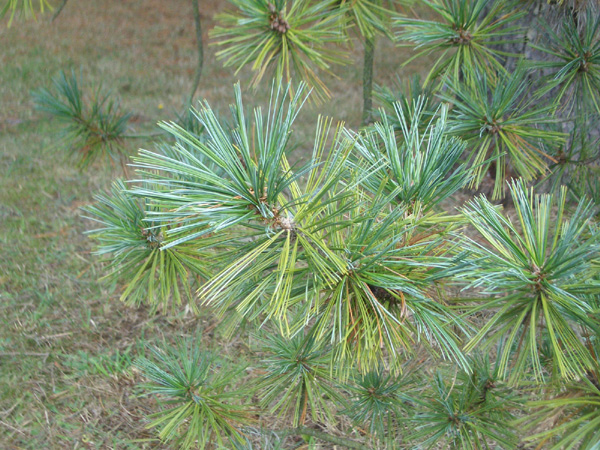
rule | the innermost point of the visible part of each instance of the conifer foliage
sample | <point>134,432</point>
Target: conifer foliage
<point>374,292</point>
<point>348,259</point>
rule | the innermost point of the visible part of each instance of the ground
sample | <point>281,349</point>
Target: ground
<point>66,342</point>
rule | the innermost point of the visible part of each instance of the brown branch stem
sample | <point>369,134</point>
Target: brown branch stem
<point>200,48</point>
<point>345,443</point>
<point>368,80</point>
<point>59,10</point>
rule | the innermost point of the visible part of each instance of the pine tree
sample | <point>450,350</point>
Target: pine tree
<point>368,296</point>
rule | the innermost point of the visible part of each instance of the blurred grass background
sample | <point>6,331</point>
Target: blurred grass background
<point>66,342</point>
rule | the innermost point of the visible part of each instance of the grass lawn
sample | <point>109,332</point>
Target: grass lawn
<point>66,342</point>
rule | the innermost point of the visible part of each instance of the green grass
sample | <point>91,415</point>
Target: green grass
<point>66,342</point>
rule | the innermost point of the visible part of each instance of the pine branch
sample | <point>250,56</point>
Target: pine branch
<point>200,48</point>
<point>368,80</point>
<point>59,10</point>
